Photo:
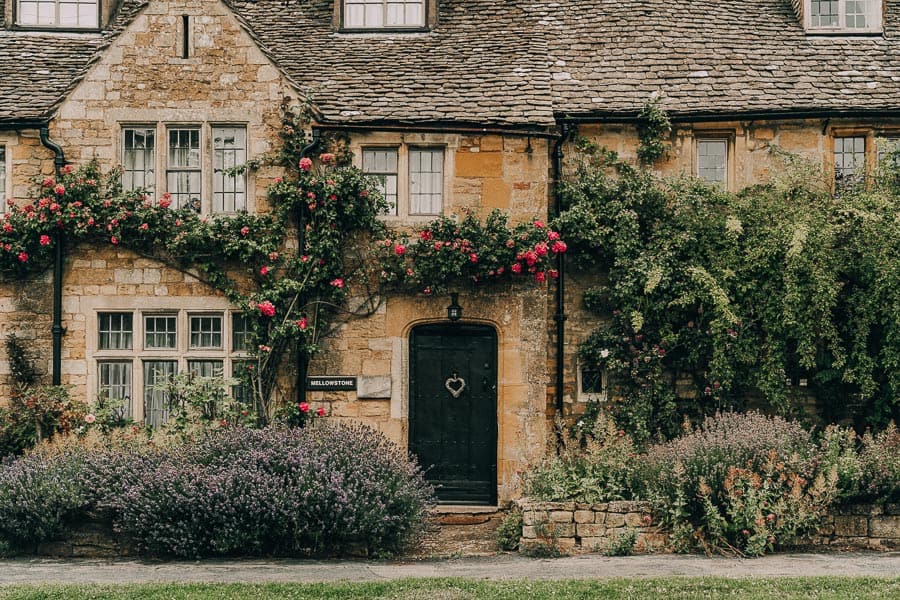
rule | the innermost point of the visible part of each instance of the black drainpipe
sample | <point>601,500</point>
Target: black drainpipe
<point>59,161</point>
<point>302,357</point>
<point>560,316</point>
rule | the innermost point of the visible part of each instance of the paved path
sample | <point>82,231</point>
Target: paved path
<point>492,567</point>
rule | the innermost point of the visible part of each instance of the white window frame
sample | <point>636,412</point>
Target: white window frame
<point>149,171</point>
<point>139,354</point>
<point>700,139</point>
<point>875,19</point>
<point>403,212</point>
<point>88,24</point>
<point>210,167</point>
<point>384,9</point>
<point>584,396</point>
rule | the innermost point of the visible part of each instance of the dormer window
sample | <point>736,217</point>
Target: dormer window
<point>63,14</point>
<point>384,14</point>
<point>842,16</point>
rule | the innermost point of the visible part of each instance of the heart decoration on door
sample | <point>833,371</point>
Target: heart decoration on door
<point>455,385</point>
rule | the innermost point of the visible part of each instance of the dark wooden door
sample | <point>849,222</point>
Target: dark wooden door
<point>453,410</point>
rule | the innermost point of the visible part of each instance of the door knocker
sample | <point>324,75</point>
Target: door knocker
<point>455,385</point>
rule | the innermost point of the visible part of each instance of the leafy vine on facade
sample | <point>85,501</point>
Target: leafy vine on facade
<point>294,293</point>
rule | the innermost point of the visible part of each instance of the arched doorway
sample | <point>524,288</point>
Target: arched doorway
<point>453,410</point>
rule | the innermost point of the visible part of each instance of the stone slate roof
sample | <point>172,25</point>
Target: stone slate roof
<point>523,63</point>
<point>713,57</point>
<point>481,64</point>
<point>38,69</point>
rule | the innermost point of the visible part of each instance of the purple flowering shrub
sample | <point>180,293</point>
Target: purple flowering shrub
<point>321,490</point>
<point>324,489</point>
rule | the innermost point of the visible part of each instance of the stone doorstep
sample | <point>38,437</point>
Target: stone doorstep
<point>458,514</point>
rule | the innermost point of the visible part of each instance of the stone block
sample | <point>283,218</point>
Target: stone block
<point>584,516</point>
<point>621,506</point>
<point>557,530</point>
<point>851,526</point>
<point>614,520</point>
<point>479,164</point>
<point>589,530</point>
<point>373,386</point>
<point>534,517</point>
<point>561,516</point>
<point>602,507</point>
<point>885,527</point>
<point>635,520</point>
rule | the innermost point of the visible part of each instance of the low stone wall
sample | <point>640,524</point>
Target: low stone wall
<point>863,526</point>
<point>575,528</point>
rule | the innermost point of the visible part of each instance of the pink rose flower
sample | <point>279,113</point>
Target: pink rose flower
<point>320,412</point>
<point>559,247</point>
<point>266,308</point>
<point>539,224</point>
<point>302,324</point>
<point>245,230</point>
<point>7,228</point>
<point>89,418</point>
<point>305,164</point>
<point>23,257</point>
<point>540,277</point>
<point>399,249</point>
<point>264,270</point>
<point>45,240</point>
<point>516,268</point>
<point>328,158</point>
<point>552,235</point>
<point>473,257</point>
<point>59,190</point>
<point>338,283</point>
<point>304,407</point>
<point>114,241</point>
<point>144,227</point>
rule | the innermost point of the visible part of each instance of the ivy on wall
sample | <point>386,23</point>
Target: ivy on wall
<point>742,296</point>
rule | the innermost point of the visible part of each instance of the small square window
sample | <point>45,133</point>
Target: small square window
<point>382,164</point>
<point>229,151</point>
<point>592,384</point>
<point>426,181</point>
<point>115,331</point>
<point>712,160</point>
<point>159,332</point>
<point>206,331</point>
<point>849,159</point>
<point>138,158</point>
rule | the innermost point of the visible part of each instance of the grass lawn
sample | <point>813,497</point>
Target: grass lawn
<point>837,588</point>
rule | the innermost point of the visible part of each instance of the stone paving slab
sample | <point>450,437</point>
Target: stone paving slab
<point>46,571</point>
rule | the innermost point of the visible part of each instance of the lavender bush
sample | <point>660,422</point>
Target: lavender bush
<point>322,490</point>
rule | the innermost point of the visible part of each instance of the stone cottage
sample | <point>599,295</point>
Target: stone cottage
<point>457,105</point>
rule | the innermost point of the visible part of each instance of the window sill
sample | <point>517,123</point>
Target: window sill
<point>845,33</point>
<point>54,29</point>
<point>383,30</point>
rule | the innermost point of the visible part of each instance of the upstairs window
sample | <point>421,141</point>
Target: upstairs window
<point>75,14</point>
<point>849,159</point>
<point>384,14</point>
<point>712,160</point>
<point>843,16</point>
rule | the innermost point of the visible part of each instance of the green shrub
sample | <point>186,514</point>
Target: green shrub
<point>880,462</point>
<point>510,531</point>
<point>740,483</point>
<point>37,414</point>
<point>594,464</point>
<point>621,544</point>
